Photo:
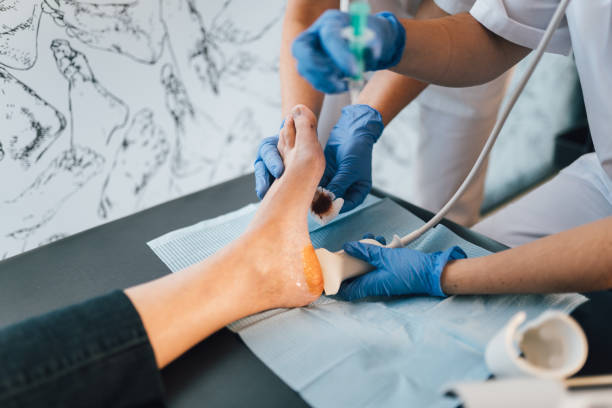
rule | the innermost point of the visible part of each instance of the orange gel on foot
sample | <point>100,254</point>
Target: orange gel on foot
<point>312,270</point>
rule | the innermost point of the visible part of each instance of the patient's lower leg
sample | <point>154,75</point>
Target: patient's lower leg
<point>271,265</point>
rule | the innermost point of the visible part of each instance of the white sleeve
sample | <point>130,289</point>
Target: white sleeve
<point>455,6</point>
<point>523,22</point>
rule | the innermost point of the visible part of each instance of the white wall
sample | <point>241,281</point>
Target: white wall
<point>109,109</point>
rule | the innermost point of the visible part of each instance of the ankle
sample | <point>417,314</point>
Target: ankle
<point>245,285</point>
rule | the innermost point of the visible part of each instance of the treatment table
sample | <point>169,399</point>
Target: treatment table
<point>221,370</point>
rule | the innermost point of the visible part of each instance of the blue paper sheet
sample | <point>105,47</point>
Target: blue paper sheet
<point>375,352</point>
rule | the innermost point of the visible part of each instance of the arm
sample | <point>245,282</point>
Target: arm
<point>295,89</point>
<point>455,51</point>
<point>389,92</point>
<point>452,51</point>
<point>577,260</point>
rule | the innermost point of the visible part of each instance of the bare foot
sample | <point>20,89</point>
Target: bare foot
<point>277,244</point>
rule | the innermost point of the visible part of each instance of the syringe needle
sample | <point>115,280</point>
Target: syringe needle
<point>358,11</point>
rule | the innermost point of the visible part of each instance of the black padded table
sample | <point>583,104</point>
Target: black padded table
<point>220,371</point>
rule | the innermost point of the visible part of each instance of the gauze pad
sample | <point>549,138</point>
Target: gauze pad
<point>325,206</point>
<point>375,352</point>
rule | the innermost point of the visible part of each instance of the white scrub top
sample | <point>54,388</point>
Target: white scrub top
<point>587,30</point>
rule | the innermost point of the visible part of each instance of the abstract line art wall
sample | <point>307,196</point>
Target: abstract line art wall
<point>109,107</point>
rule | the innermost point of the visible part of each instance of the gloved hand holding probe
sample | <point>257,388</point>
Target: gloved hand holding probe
<point>399,271</point>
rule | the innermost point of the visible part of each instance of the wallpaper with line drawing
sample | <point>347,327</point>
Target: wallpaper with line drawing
<point>111,106</point>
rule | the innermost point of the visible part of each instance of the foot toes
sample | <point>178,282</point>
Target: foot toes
<point>289,131</point>
<point>305,120</point>
<point>286,137</point>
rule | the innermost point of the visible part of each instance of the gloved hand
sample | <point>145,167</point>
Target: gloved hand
<point>348,154</point>
<point>268,165</point>
<point>324,56</point>
<point>399,271</point>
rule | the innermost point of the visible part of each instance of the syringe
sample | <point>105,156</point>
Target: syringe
<point>357,35</point>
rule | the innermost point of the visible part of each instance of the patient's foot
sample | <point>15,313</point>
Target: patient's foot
<point>276,248</point>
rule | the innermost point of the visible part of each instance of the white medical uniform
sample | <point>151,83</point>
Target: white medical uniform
<point>453,126</point>
<point>582,192</point>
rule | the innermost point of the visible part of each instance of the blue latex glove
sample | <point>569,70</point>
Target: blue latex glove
<point>399,271</point>
<point>268,165</point>
<point>324,56</point>
<point>348,154</point>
